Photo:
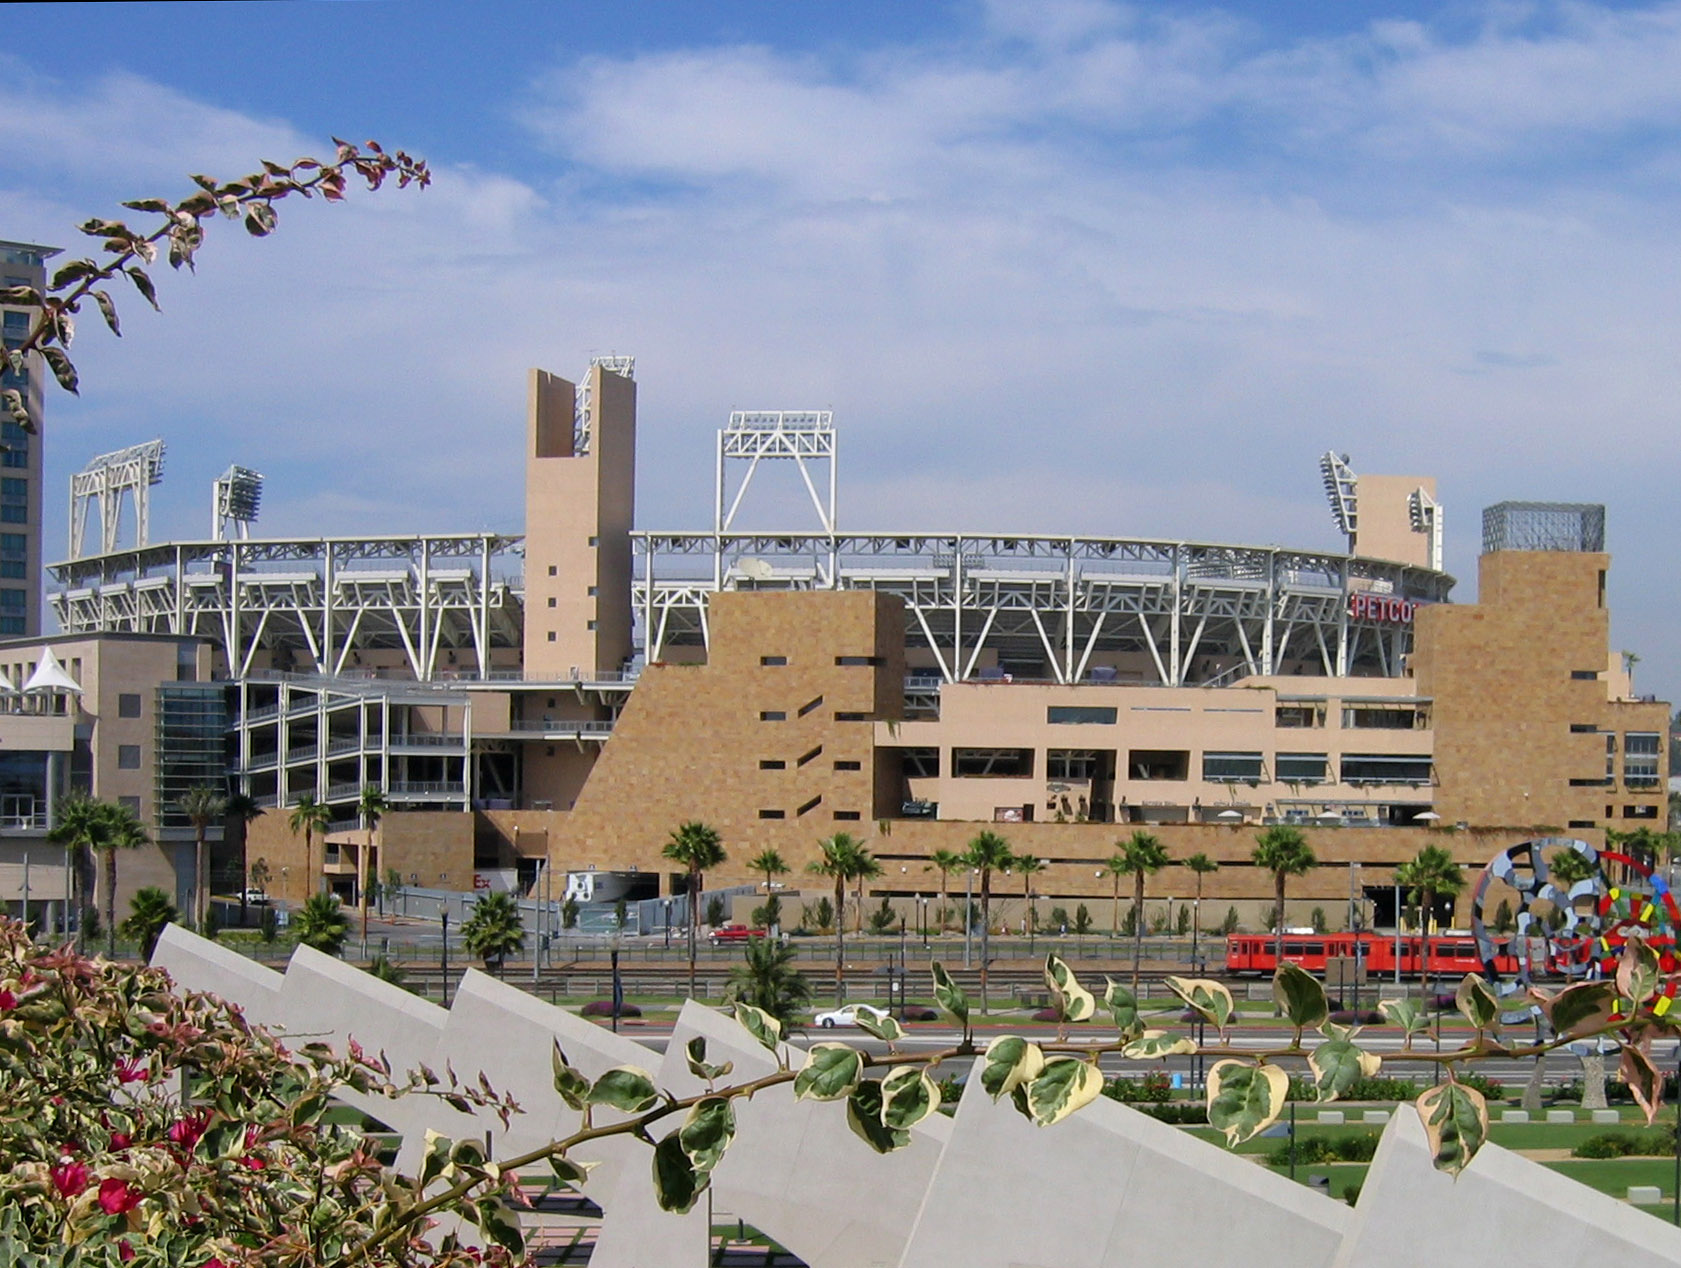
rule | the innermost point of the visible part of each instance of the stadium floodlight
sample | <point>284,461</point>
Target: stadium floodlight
<point>107,482</point>
<point>236,498</point>
<point>1424,513</point>
<point>1339,481</point>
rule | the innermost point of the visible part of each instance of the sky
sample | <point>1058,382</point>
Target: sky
<point>1060,266</point>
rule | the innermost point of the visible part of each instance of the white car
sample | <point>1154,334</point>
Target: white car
<point>847,1015</point>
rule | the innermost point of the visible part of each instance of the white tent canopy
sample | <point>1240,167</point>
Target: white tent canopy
<point>49,675</point>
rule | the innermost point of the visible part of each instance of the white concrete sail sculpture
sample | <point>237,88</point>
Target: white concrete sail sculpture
<point>1108,1188</point>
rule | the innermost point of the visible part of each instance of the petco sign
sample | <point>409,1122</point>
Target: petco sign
<point>1381,607</point>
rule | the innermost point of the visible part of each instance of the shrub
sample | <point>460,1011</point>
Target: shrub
<point>1351,1193</point>
<point>1155,1088</point>
<point>268,924</point>
<point>604,1008</point>
<point>1491,1090</point>
<point>1049,1014</point>
<point>1624,1144</point>
<point>1313,1150</point>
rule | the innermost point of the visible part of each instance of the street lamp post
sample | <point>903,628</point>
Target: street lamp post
<point>443,919</point>
<point>968,918</point>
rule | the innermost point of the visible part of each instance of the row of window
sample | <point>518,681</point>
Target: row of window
<point>1355,717</point>
<point>777,763</point>
<point>1173,764</point>
<point>842,662</point>
<point>841,715</point>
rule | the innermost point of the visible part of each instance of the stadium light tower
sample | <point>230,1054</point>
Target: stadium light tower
<point>1339,480</point>
<point>1425,515</point>
<point>235,499</point>
<point>107,480</point>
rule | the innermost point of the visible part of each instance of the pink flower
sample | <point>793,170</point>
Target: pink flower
<point>8,1001</point>
<point>117,1196</point>
<point>69,1177</point>
<point>185,1132</point>
<point>132,1071</point>
<point>125,1252</point>
<point>120,1141</point>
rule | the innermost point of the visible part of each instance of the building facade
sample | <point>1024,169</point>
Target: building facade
<point>21,264</point>
<point>908,688</point>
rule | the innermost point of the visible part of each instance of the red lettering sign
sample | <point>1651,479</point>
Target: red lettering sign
<point>1381,607</point>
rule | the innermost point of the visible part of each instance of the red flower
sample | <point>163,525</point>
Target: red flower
<point>117,1196</point>
<point>185,1132</point>
<point>132,1071</point>
<point>120,1141</point>
<point>125,1252</point>
<point>8,1001</point>
<point>69,1177</point>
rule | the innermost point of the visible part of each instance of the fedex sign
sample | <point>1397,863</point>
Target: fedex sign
<point>1381,607</point>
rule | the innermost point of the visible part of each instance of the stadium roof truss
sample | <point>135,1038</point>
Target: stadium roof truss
<point>1202,613</point>
<point>313,600</point>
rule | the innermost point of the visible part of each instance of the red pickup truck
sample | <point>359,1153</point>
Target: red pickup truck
<point>734,933</point>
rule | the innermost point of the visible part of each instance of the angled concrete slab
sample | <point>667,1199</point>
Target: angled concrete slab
<point>1107,1188</point>
<point>1502,1209</point>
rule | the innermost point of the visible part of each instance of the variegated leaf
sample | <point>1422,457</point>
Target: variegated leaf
<point>1210,998</point>
<point>831,1071</point>
<point>1063,1086</point>
<point>1123,1009</point>
<point>1455,1119</point>
<point>1338,1065</point>
<point>1300,995</point>
<point>1009,1061</point>
<point>908,1096</point>
<point>1158,1043</point>
<point>1245,1099</point>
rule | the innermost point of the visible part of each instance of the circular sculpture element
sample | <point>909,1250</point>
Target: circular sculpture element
<point>1568,937</point>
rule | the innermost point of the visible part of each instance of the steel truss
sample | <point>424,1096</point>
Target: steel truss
<point>313,602</point>
<point>1200,613</point>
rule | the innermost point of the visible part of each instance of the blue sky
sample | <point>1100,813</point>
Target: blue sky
<point>1063,266</point>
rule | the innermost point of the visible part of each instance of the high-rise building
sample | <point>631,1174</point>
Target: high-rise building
<point>21,264</point>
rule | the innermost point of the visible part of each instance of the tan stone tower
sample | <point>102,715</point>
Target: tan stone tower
<point>580,498</point>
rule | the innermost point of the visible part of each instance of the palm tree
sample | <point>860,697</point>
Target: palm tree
<point>1283,851</point>
<point>242,809</point>
<point>842,857</point>
<point>202,806</point>
<point>699,848</point>
<point>371,806</point>
<point>768,979</point>
<point>945,862</point>
<point>1140,856</point>
<point>869,867</point>
<point>771,864</point>
<point>1029,867</point>
<point>1431,873</point>
<point>1201,865</point>
<point>120,829</point>
<point>494,929</point>
<point>1116,867</point>
<point>320,923</point>
<point>307,817</point>
<point>148,912</point>
<point>988,852</point>
<point>76,822</point>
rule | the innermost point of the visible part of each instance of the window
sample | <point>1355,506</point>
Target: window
<point>1080,715</point>
<point>1385,768</point>
<point>1384,717</point>
<point>848,715</point>
<point>1299,715</point>
<point>17,324</point>
<point>551,636</point>
<point>772,814</point>
<point>593,591</point>
<point>811,755</point>
<point>1584,675</point>
<point>13,543</point>
<point>14,487</point>
<point>1583,823</point>
<point>552,570</point>
<point>595,541</point>
<point>11,625</point>
<point>816,702</point>
<point>10,513</point>
<point>773,660</point>
<point>1151,763</point>
<point>920,763</point>
<point>1071,763</point>
<point>1640,812</point>
<point>10,598</point>
<point>992,763</point>
<point>129,803</point>
<point>128,705</point>
<point>14,569</point>
<point>845,765</point>
<point>1232,768</point>
<point>809,806</point>
<point>773,763</point>
<point>589,625</point>
<point>1640,759</point>
<point>1302,768</point>
<point>128,757</point>
<point>851,816</point>
<point>1583,728</point>
<point>850,662</point>
<point>552,601</point>
<point>772,715</point>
